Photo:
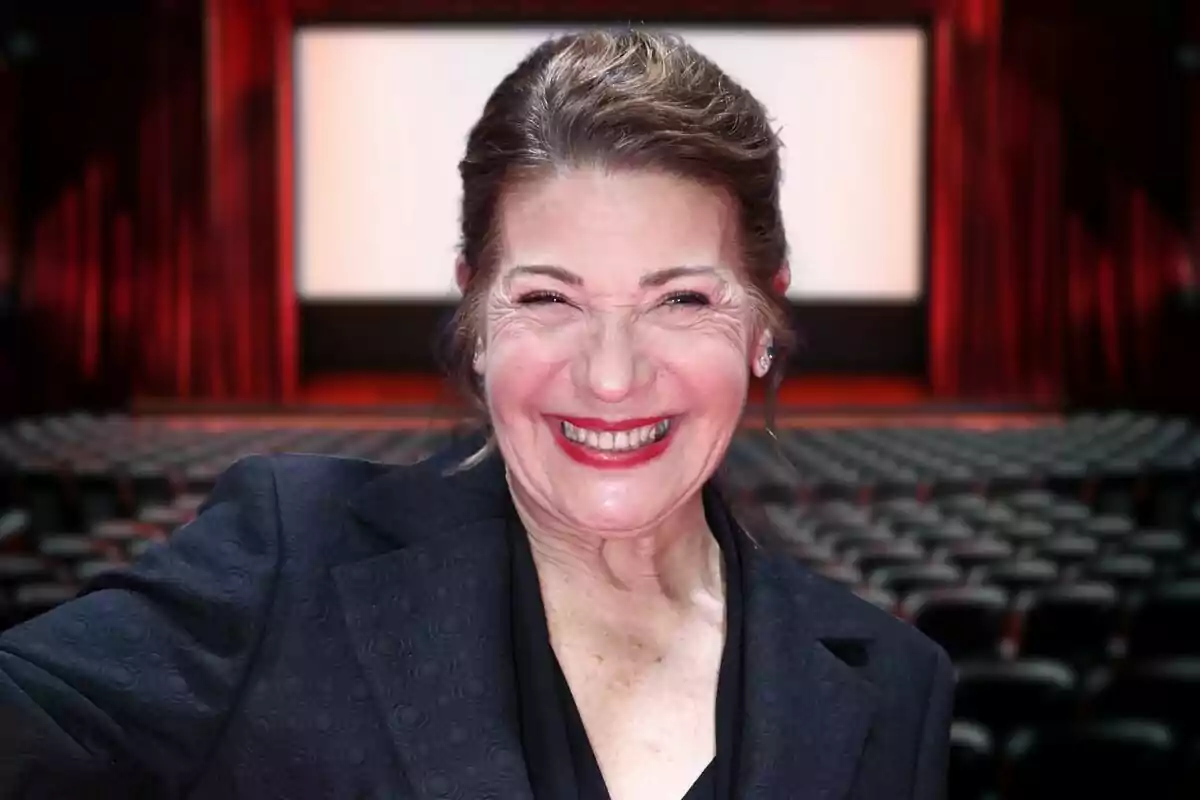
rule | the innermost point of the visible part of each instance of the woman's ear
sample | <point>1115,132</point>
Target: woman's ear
<point>462,274</point>
<point>783,279</point>
<point>478,359</point>
<point>764,354</point>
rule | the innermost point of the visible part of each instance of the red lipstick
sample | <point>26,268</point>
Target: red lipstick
<point>593,424</point>
<point>609,460</point>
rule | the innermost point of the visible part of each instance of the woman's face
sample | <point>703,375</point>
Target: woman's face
<point>617,344</point>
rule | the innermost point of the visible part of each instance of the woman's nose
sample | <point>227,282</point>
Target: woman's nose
<point>612,368</point>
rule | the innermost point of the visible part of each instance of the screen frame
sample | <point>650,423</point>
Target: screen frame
<point>895,333</point>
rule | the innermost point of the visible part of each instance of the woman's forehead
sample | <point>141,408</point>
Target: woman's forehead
<point>617,227</point>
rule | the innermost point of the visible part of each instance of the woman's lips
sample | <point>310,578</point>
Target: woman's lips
<point>611,459</point>
<point>594,424</point>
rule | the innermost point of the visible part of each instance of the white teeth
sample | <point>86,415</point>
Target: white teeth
<point>616,442</point>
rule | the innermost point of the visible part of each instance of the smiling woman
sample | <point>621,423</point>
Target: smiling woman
<point>618,336</point>
<point>564,610</point>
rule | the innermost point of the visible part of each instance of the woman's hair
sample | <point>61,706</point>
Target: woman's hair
<point>620,100</point>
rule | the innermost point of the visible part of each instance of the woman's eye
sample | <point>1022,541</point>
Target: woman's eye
<point>685,299</point>
<point>540,298</point>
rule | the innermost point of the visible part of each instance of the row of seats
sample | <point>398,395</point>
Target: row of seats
<point>1059,565</point>
<point>1080,624</point>
<point>1005,696</point>
<point>1124,758</point>
<point>1140,467</point>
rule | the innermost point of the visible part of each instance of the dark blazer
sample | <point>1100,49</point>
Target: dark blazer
<point>334,628</point>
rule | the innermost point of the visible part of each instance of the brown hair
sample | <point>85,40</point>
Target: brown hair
<point>624,100</point>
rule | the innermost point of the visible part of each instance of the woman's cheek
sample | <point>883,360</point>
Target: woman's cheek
<point>702,356</point>
<point>524,356</point>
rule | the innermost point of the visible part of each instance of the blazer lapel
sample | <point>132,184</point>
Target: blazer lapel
<point>430,619</point>
<point>430,623</point>
<point>807,711</point>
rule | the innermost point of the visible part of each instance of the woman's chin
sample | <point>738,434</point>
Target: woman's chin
<point>614,527</point>
<point>622,515</point>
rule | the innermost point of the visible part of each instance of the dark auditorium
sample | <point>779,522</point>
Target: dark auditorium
<point>726,399</point>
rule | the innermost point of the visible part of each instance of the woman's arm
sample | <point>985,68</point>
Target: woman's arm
<point>933,753</point>
<point>124,691</point>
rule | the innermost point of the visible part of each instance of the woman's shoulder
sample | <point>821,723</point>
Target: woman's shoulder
<point>317,494</point>
<point>846,614</point>
<point>302,479</point>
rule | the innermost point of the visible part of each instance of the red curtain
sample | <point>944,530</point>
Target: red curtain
<point>996,288</point>
<point>144,273</point>
<point>110,124</point>
<point>1027,300</point>
<point>1192,277</point>
<point>246,312</point>
<point>158,263</point>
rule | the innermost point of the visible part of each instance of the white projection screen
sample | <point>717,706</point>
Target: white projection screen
<point>382,116</point>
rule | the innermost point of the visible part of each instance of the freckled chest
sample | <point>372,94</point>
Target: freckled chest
<point>648,704</point>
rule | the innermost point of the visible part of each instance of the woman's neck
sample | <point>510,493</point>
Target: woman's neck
<point>674,565</point>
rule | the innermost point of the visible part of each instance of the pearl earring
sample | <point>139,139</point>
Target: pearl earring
<point>764,364</point>
<point>768,355</point>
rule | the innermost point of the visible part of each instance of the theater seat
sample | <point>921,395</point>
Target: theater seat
<point>1072,623</point>
<point>976,553</point>
<point>1165,691</point>
<point>785,522</point>
<point>967,621</point>
<point>1126,572</point>
<point>1164,547</point>
<point>877,597</point>
<point>164,519</point>
<point>1033,502</point>
<point>809,554</point>
<point>840,515</point>
<point>990,518</point>
<point>839,573</point>
<point>972,768</point>
<point>1121,759</point>
<point>67,548</point>
<point>1020,575</point>
<point>942,534</point>
<point>906,515</point>
<point>1189,782</point>
<point>1068,550</point>
<point>17,570</point>
<point>878,555</point>
<point>8,614</point>
<point>961,506</point>
<point>1116,488</point>
<point>1007,695</point>
<point>1166,621</point>
<point>916,577</point>
<point>1068,517</point>
<point>1026,533</point>
<point>1173,486</point>
<point>37,598</point>
<point>88,570</point>
<point>899,507</point>
<point>844,540</point>
<point>1065,478</point>
<point>1108,531</point>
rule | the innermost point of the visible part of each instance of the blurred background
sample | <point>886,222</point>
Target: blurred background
<point>228,227</point>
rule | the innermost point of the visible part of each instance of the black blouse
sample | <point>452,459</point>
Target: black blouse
<point>558,755</point>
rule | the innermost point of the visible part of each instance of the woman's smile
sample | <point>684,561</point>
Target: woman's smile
<point>612,444</point>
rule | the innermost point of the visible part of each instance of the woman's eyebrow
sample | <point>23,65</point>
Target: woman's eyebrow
<point>548,270</point>
<point>653,279</point>
<point>663,276</point>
